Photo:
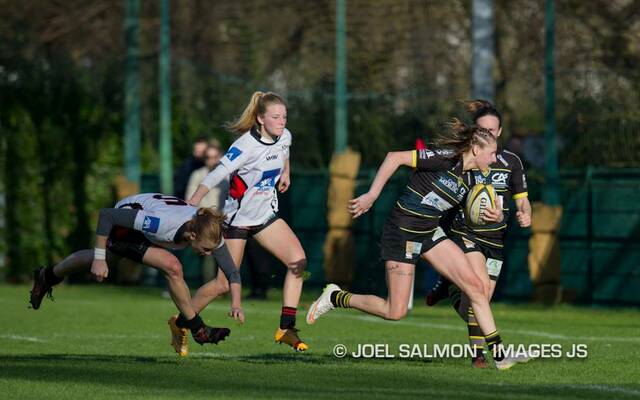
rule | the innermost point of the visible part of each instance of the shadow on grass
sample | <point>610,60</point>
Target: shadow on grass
<point>279,375</point>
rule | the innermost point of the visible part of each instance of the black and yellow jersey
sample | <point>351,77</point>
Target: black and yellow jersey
<point>507,177</point>
<point>433,188</point>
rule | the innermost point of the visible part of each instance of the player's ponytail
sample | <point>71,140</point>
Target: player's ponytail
<point>207,226</point>
<point>462,137</point>
<point>480,108</point>
<point>257,106</point>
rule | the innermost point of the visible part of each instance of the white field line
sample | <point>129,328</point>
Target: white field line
<point>461,327</point>
<point>603,388</point>
<point>10,336</point>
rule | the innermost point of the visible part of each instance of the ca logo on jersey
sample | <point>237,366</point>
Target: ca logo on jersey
<point>150,224</point>
<point>500,178</point>
<point>268,180</point>
<point>233,153</point>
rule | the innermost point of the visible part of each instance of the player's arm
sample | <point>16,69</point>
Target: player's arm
<point>109,217</point>
<point>230,163</point>
<point>228,267</point>
<point>214,177</point>
<point>520,195</point>
<point>285,177</point>
<point>390,165</point>
<point>523,214</point>
<point>192,185</point>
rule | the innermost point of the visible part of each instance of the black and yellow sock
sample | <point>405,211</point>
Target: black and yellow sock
<point>494,342</point>
<point>476,338</point>
<point>341,299</point>
<point>455,296</point>
<point>288,317</point>
<point>193,324</point>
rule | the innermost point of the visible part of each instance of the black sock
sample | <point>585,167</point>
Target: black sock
<point>341,298</point>
<point>193,324</point>
<point>494,341</point>
<point>288,317</point>
<point>50,277</point>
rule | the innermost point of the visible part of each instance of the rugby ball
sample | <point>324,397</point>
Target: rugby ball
<point>479,198</point>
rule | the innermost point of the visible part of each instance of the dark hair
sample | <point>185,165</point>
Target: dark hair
<point>200,139</point>
<point>480,108</point>
<point>462,137</point>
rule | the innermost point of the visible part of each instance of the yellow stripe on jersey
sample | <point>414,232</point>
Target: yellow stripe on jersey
<point>490,229</point>
<point>414,158</point>
<point>488,242</point>
<point>477,238</point>
<point>410,231</point>
<point>520,195</point>
<point>414,191</point>
<point>459,179</point>
<point>416,213</point>
<point>455,201</point>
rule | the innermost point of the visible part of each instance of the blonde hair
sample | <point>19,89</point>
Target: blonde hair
<point>207,226</point>
<point>463,137</point>
<point>257,106</point>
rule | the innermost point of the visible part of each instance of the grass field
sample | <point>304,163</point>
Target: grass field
<point>110,342</point>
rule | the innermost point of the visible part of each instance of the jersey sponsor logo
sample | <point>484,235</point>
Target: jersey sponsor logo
<point>426,154</point>
<point>494,267</point>
<point>500,178</point>
<point>524,182</point>
<point>444,152</point>
<point>150,224</point>
<point>233,153</point>
<point>435,201</point>
<point>449,183</point>
<point>502,160</point>
<point>272,157</point>
<point>411,249</point>
<point>468,243</point>
<point>438,234</point>
<point>268,180</point>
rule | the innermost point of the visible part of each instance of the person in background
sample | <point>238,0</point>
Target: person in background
<point>190,164</point>
<point>214,199</point>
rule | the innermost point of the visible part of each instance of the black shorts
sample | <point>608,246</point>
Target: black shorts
<point>245,232</point>
<point>405,246</point>
<point>128,243</point>
<point>493,255</point>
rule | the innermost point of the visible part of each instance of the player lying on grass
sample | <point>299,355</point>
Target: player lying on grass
<point>412,230</point>
<point>142,228</point>
<point>483,245</point>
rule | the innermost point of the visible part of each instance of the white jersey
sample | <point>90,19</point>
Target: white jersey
<point>255,167</point>
<point>160,217</point>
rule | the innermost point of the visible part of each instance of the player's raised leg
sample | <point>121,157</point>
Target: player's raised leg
<point>279,239</point>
